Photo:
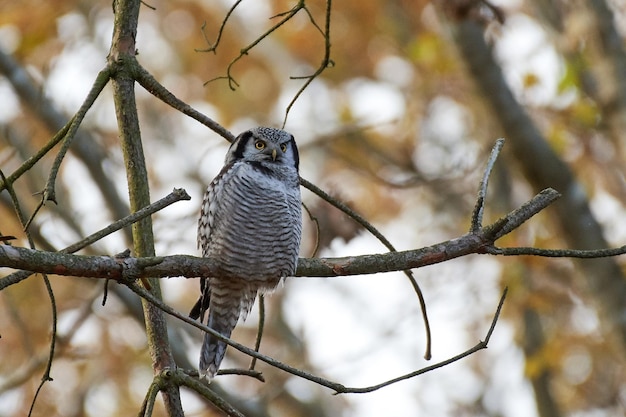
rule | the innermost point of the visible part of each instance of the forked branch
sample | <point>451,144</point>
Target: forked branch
<point>335,386</point>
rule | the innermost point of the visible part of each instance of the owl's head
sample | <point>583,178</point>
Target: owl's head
<point>265,145</point>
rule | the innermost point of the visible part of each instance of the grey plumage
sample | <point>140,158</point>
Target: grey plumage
<point>251,223</point>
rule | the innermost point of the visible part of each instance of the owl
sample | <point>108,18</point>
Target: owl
<point>250,224</point>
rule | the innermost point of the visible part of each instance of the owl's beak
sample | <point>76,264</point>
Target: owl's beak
<point>273,154</point>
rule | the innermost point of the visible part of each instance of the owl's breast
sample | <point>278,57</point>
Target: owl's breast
<point>257,226</point>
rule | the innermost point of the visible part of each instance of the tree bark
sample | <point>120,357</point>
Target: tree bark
<point>121,55</point>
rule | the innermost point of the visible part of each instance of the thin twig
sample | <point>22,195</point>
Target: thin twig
<point>479,346</point>
<point>479,208</point>
<point>147,407</point>
<point>176,195</point>
<point>229,371</point>
<point>337,387</point>
<point>46,374</point>
<point>213,46</point>
<point>557,253</point>
<point>315,221</point>
<point>252,373</point>
<point>326,61</point>
<point>244,349</point>
<point>23,84</point>
<point>30,162</point>
<point>517,217</point>
<point>246,50</point>
<point>147,5</point>
<point>89,151</point>
<point>497,315</point>
<point>101,81</point>
<point>370,228</point>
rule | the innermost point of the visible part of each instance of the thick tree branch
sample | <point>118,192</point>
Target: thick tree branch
<point>123,269</point>
<point>121,59</point>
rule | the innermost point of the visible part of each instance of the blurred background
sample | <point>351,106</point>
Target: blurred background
<point>399,128</point>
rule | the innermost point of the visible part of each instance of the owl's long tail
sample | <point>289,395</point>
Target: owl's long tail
<point>228,301</point>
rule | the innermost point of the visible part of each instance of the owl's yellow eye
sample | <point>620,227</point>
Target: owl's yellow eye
<point>283,147</point>
<point>259,144</point>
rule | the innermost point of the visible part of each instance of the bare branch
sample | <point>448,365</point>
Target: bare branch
<point>101,81</point>
<point>180,378</point>
<point>558,253</point>
<point>286,16</point>
<point>479,208</point>
<point>481,242</point>
<point>244,349</point>
<point>517,217</point>
<point>147,81</point>
<point>326,61</point>
<point>370,228</point>
<point>85,147</point>
<point>46,374</point>
<point>176,195</point>
<point>337,387</point>
<point>147,407</point>
<point>122,60</point>
<point>260,327</point>
<point>479,346</point>
<point>213,46</point>
<point>543,167</point>
<point>35,158</point>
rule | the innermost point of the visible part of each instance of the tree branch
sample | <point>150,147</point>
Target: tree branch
<point>147,81</point>
<point>122,60</point>
<point>479,346</point>
<point>232,84</point>
<point>337,387</point>
<point>325,63</point>
<point>543,167</point>
<point>101,81</point>
<point>176,195</point>
<point>85,147</point>
<point>124,269</point>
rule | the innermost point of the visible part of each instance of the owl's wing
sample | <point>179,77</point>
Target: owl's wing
<point>206,226</point>
<point>206,222</point>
